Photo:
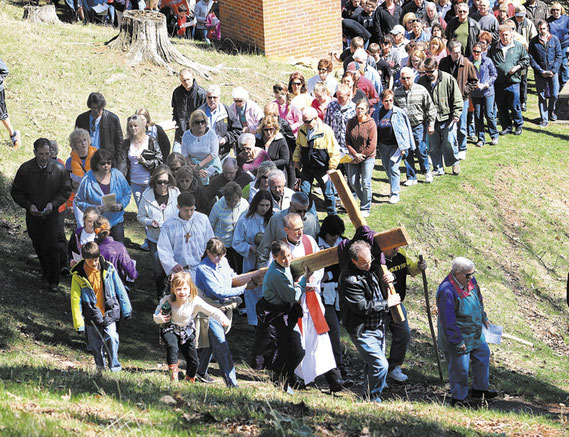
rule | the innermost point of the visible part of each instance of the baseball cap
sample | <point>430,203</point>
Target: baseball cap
<point>397,29</point>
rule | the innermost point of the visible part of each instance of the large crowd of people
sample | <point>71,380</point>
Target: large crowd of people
<point>234,192</point>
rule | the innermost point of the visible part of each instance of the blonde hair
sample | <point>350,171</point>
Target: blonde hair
<point>178,280</point>
<point>558,5</point>
<point>269,121</point>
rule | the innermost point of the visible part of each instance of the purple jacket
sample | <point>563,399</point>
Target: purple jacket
<point>486,74</point>
<point>115,253</point>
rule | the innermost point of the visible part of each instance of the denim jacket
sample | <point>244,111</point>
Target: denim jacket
<point>486,74</point>
<point>401,128</point>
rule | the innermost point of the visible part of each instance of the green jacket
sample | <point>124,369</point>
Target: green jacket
<point>517,55</point>
<point>446,95</point>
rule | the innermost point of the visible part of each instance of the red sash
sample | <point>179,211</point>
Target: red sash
<point>312,300</point>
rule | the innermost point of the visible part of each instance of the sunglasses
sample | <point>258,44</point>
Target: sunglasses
<point>238,100</point>
<point>322,70</point>
<point>212,97</point>
<point>429,71</point>
<point>106,162</point>
<point>268,129</point>
<point>297,83</point>
<point>199,122</point>
<point>308,121</point>
<point>469,275</point>
<point>476,51</point>
<point>277,89</point>
<point>161,182</point>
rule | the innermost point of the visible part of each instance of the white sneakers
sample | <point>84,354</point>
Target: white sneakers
<point>428,177</point>
<point>397,375</point>
<point>410,182</point>
<point>462,155</point>
<point>394,198</point>
<point>364,213</point>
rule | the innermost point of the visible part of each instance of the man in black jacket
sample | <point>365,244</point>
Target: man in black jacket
<point>364,308</point>
<point>41,186</point>
<point>104,127</point>
<point>186,98</point>
<point>464,29</point>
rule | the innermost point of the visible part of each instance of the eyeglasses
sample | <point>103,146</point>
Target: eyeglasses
<point>199,122</point>
<point>556,10</point>
<point>469,275</point>
<point>268,129</point>
<point>462,12</point>
<point>476,52</point>
<point>264,177</point>
<point>413,21</point>
<point>106,162</point>
<point>277,89</point>
<point>238,100</point>
<point>212,97</point>
<point>297,83</point>
<point>322,70</point>
<point>308,121</point>
<point>184,180</point>
<point>161,182</point>
<point>429,71</point>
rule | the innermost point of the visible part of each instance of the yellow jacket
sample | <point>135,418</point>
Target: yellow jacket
<point>324,154</point>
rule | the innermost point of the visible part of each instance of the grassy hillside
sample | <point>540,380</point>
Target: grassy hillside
<point>507,211</point>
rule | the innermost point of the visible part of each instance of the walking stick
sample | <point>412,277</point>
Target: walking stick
<point>426,290</point>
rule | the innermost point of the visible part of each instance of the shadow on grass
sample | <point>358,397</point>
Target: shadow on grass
<point>547,132</point>
<point>217,407</point>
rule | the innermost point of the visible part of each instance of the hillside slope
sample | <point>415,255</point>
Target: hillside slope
<point>507,211</point>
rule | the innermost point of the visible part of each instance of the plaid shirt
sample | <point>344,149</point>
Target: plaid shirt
<point>337,118</point>
<point>374,319</point>
<point>417,103</point>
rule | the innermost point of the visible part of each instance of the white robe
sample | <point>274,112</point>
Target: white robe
<point>319,357</point>
<point>172,246</point>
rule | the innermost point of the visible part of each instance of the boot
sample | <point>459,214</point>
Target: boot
<point>190,379</point>
<point>173,371</point>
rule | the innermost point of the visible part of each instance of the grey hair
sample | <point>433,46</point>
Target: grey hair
<point>408,70</point>
<point>310,112</point>
<point>300,199</point>
<point>246,138</point>
<point>240,93</point>
<point>214,89</point>
<point>230,160</point>
<point>360,56</point>
<point>287,219</point>
<point>461,264</point>
<point>454,44</point>
<point>357,247</point>
<point>264,168</point>
<point>273,174</point>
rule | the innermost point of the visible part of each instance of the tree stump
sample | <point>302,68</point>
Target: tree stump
<point>45,14</point>
<point>144,37</point>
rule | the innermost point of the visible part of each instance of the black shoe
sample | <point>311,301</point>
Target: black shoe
<point>65,271</point>
<point>204,378</point>
<point>488,394</point>
<point>339,385</point>
<point>460,403</point>
<point>518,131</point>
<point>506,131</point>
<point>524,107</point>
<point>54,288</point>
<point>296,383</point>
<point>553,117</point>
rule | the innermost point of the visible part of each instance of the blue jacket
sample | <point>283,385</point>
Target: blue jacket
<point>84,301</point>
<point>215,281</point>
<point>90,193</point>
<point>401,128</point>
<point>560,28</point>
<point>546,57</point>
<point>461,315</point>
<point>486,74</point>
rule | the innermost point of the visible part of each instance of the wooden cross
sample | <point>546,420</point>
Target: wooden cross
<point>386,240</point>
<point>187,236</point>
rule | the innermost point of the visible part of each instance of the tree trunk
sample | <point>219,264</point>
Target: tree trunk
<point>45,14</point>
<point>144,37</point>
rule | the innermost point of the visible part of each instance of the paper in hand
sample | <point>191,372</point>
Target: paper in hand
<point>493,334</point>
<point>109,200</point>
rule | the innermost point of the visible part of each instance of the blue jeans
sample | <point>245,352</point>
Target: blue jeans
<point>508,99</point>
<point>462,127</point>
<point>546,104</point>
<point>308,177</point>
<point>484,107</point>
<point>400,338</point>
<point>458,370</point>
<point>218,346</point>
<point>104,341</point>
<point>443,144</point>
<point>370,345</point>
<point>420,137</point>
<point>137,191</point>
<point>159,274</point>
<point>359,177</point>
<point>251,298</point>
<point>563,70</point>
<point>391,168</point>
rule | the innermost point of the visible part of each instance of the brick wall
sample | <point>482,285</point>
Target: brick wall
<point>284,28</point>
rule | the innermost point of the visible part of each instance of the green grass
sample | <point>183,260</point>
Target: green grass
<point>507,211</point>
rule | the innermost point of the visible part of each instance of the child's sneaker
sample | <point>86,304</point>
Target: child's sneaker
<point>15,137</point>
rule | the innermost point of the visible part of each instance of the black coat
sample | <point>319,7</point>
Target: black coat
<point>34,186</point>
<point>110,134</point>
<point>357,289</point>
<point>183,104</point>
<point>473,32</point>
<point>153,157</point>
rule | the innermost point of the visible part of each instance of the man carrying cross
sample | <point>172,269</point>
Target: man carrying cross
<point>183,239</point>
